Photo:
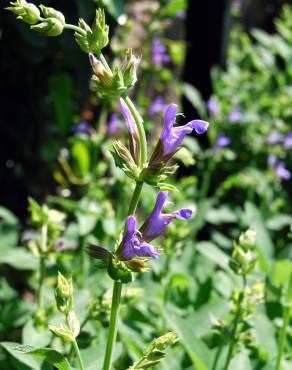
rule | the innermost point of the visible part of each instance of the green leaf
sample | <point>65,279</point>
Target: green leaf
<point>19,258</point>
<point>195,347</point>
<point>114,7</point>
<point>19,351</point>
<point>253,219</point>
<point>51,356</point>
<point>240,362</point>
<point>194,97</point>
<point>221,215</point>
<point>279,221</point>
<point>280,272</point>
<point>61,90</point>
<point>212,252</point>
<point>81,156</point>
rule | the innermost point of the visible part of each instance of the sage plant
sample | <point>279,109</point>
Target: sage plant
<point>133,249</point>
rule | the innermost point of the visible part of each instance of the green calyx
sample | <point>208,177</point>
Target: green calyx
<point>27,12</point>
<point>95,38</point>
<point>53,24</point>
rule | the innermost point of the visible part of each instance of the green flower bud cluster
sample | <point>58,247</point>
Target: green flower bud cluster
<point>244,258</point>
<point>27,12</point>
<point>52,218</point>
<point>51,24</point>
<point>65,304</point>
<point>114,83</point>
<point>92,40</point>
<point>64,294</point>
<point>155,351</point>
<point>249,298</point>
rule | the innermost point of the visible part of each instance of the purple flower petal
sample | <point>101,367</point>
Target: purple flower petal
<point>157,221</point>
<point>288,141</point>
<point>282,172</point>
<point>171,137</point>
<point>130,122</point>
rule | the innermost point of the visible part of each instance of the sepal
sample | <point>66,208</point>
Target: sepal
<point>124,160</point>
<point>27,12</point>
<point>119,271</point>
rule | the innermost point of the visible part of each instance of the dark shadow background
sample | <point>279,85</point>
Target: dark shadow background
<point>29,63</point>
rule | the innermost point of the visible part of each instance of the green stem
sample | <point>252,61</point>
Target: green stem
<point>286,315</point>
<point>217,356</point>
<point>135,198</point>
<point>207,178</point>
<point>235,326</point>
<point>76,348</point>
<point>112,325</point>
<point>75,28</point>
<point>40,294</point>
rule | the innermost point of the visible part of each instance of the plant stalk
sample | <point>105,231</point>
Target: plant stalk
<point>76,348</point>
<point>286,315</point>
<point>112,325</point>
<point>235,327</point>
<point>43,248</point>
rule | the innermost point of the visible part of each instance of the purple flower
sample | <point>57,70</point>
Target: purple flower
<point>274,137</point>
<point>159,53</point>
<point>171,137</point>
<point>181,14</point>
<point>212,107</point>
<point>279,167</point>
<point>282,172</point>
<point>156,106</point>
<point>157,221</point>
<point>133,245</point>
<point>114,124</point>
<point>272,160</point>
<point>235,115</point>
<point>221,142</point>
<point>81,128</point>
<point>288,140</point>
<point>133,131</point>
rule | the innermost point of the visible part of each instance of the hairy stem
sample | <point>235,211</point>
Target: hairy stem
<point>75,28</point>
<point>112,325</point>
<point>76,348</point>
<point>235,327</point>
<point>40,293</point>
<point>286,315</point>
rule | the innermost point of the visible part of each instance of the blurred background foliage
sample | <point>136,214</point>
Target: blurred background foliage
<point>55,139</point>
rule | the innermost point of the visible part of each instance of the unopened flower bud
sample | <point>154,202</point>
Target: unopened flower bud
<point>247,239</point>
<point>64,294</point>
<point>27,12</point>
<point>130,71</point>
<point>64,333</point>
<point>53,24</point>
<point>104,76</point>
<point>82,38</point>
<point>73,324</point>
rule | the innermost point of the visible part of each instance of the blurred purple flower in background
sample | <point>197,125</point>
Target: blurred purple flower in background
<point>81,128</point>
<point>235,115</point>
<point>157,221</point>
<point>274,137</point>
<point>288,140</point>
<point>221,141</point>
<point>212,107</point>
<point>171,137</point>
<point>280,170</point>
<point>114,124</point>
<point>181,14</point>
<point>159,53</point>
<point>157,106</point>
<point>272,160</point>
